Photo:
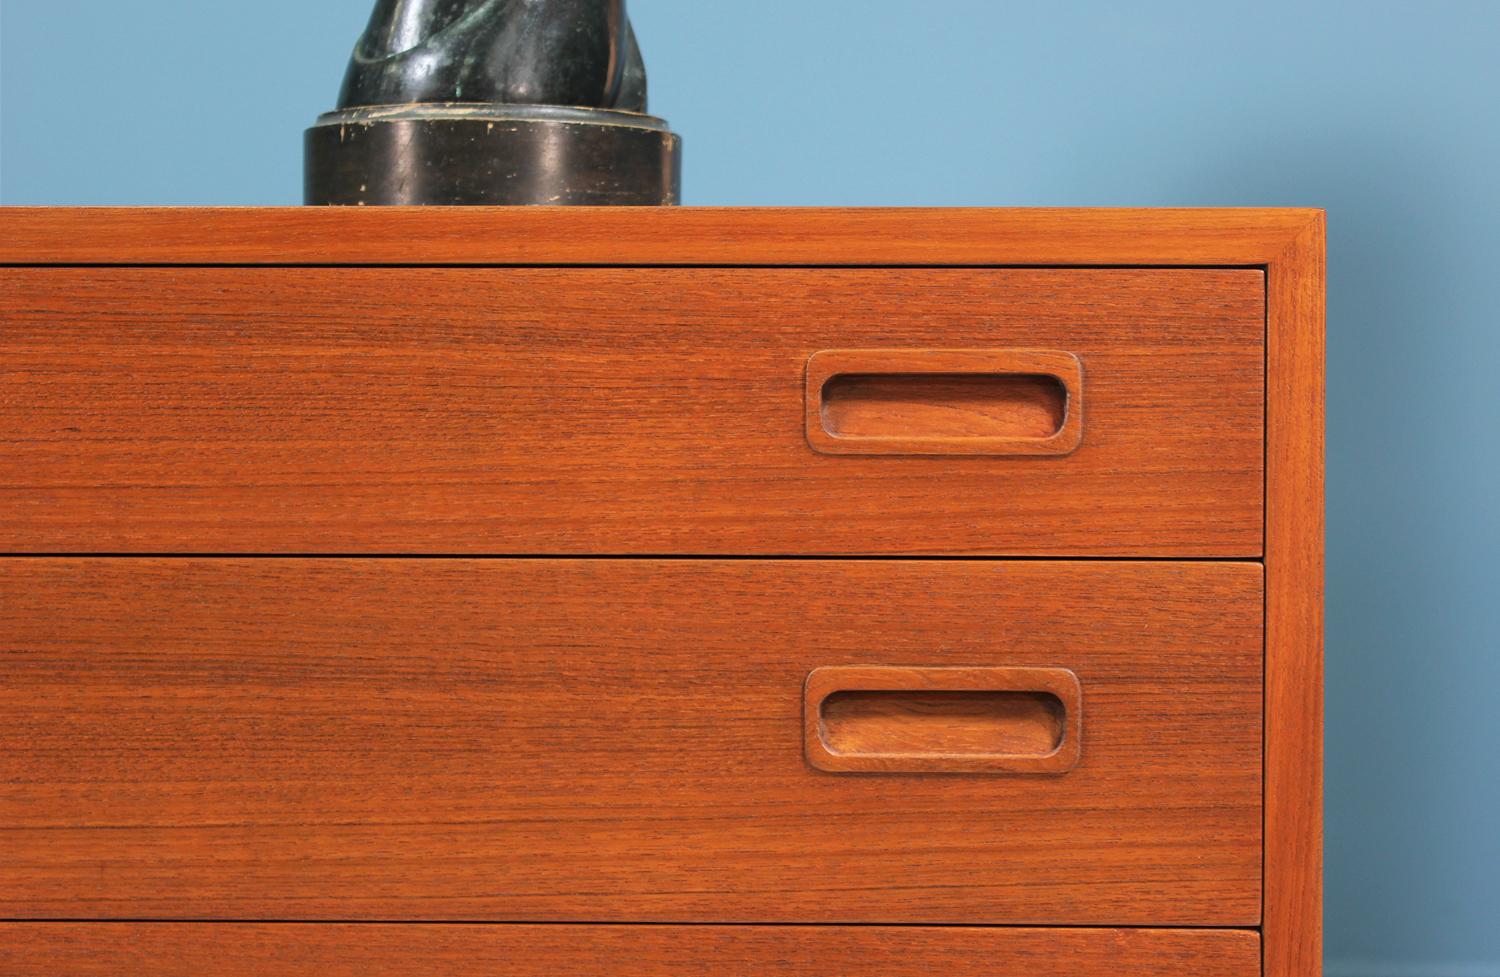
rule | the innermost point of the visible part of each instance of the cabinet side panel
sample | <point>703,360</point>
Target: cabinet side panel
<point>1293,924</point>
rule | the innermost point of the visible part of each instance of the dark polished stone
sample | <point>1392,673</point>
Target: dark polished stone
<point>494,102</point>
<point>581,53</point>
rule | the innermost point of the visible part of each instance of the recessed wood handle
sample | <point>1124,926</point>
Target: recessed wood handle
<point>879,719</point>
<point>944,402</point>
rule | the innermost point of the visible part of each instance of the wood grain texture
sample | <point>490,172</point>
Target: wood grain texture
<point>899,719</point>
<point>1294,609</point>
<point>894,726</point>
<point>604,411</point>
<point>613,741</point>
<point>647,236</point>
<point>895,406</point>
<point>375,950</point>
<point>944,402</point>
<point>1288,244</point>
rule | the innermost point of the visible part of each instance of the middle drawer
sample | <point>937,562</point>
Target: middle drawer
<point>544,740</point>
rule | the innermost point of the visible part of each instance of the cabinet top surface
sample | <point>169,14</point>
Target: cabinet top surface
<point>650,236</point>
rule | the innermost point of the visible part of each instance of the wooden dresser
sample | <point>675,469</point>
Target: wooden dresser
<point>661,593</point>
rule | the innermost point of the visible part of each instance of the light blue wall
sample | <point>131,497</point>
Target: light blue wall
<point>1387,114</point>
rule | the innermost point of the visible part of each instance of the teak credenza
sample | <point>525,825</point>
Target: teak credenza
<point>661,592</point>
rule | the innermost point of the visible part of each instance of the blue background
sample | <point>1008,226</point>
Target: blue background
<point>1387,114</point>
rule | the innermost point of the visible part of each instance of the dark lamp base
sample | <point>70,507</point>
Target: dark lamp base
<point>491,155</point>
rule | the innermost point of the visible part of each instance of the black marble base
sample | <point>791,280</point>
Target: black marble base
<point>490,154</point>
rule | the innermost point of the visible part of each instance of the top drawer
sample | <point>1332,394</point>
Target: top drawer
<point>1052,412</point>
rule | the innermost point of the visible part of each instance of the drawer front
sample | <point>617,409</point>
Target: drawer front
<point>1090,412</point>
<point>376,950</point>
<point>625,741</point>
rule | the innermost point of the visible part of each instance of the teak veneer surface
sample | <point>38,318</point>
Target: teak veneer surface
<point>619,740</point>
<point>1286,245</point>
<point>376,950</point>
<point>681,236</point>
<point>1294,607</point>
<point>605,411</point>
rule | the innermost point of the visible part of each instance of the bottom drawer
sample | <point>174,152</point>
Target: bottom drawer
<point>417,950</point>
<point>631,741</point>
